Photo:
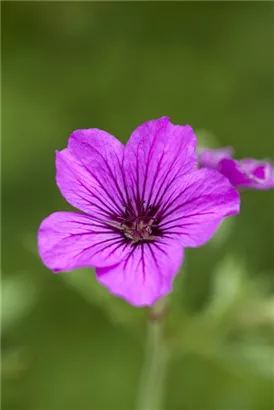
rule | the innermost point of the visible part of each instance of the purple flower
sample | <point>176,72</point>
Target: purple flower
<point>142,202</point>
<point>245,173</point>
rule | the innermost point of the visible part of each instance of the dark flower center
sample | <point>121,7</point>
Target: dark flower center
<point>138,228</point>
<point>139,224</point>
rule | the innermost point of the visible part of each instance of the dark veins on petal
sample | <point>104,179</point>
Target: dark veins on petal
<point>135,220</point>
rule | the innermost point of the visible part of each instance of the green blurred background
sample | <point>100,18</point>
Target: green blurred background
<point>66,343</point>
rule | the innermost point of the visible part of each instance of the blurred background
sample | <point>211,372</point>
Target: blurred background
<point>66,343</point>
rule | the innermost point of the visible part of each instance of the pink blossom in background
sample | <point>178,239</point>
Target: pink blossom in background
<point>210,158</point>
<point>245,173</point>
<point>141,204</point>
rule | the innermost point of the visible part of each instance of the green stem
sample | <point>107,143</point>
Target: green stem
<point>154,369</point>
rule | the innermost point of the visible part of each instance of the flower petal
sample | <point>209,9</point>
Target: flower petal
<point>68,240</point>
<point>156,154</point>
<point>210,158</point>
<point>195,210</point>
<point>146,274</point>
<point>245,173</point>
<point>82,190</point>
<point>101,156</point>
<point>248,173</point>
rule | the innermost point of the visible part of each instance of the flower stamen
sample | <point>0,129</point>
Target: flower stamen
<point>138,228</point>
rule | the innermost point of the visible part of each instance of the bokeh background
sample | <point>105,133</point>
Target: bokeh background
<point>66,343</point>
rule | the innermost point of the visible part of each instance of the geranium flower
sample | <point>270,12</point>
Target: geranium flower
<point>245,173</point>
<point>143,203</point>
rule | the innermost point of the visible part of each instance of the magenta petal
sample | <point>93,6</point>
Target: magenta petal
<point>232,170</point>
<point>156,155</point>
<point>210,158</point>
<point>146,274</point>
<point>68,240</point>
<point>245,173</point>
<point>248,173</point>
<point>81,189</point>
<point>101,156</point>
<point>197,208</point>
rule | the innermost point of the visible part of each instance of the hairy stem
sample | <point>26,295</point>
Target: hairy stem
<point>154,369</point>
